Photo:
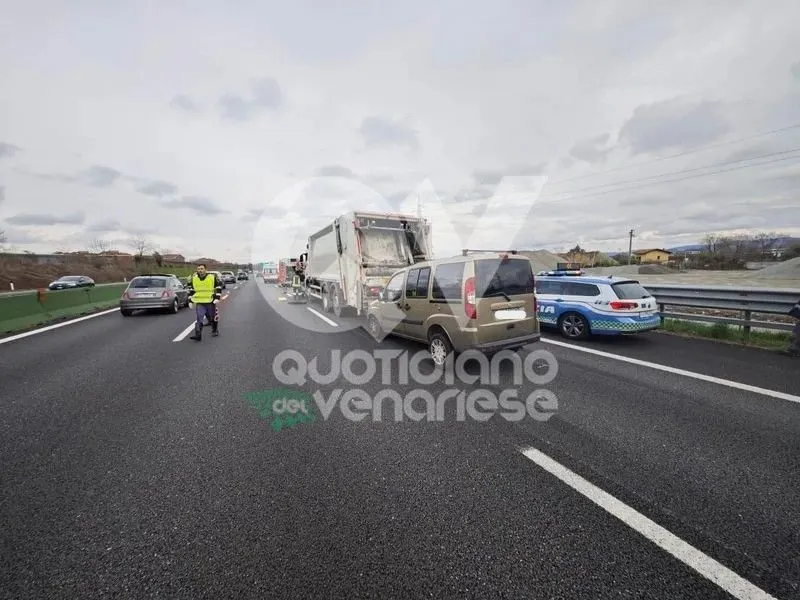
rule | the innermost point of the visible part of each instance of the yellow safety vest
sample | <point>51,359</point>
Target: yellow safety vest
<point>203,289</point>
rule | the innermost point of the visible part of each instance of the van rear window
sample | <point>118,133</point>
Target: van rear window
<point>495,277</point>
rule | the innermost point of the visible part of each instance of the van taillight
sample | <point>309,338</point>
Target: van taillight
<point>470,308</point>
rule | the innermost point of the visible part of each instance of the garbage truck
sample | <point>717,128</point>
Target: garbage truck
<point>349,261</point>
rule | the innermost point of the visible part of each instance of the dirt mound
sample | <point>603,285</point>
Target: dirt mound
<point>656,270</point>
<point>788,269</point>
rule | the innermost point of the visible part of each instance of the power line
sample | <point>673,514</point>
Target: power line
<point>683,171</point>
<point>777,160</point>
<point>680,154</point>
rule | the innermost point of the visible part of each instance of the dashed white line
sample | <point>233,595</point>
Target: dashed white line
<point>19,336</point>
<point>323,317</point>
<point>675,371</point>
<point>184,333</point>
<point>687,554</point>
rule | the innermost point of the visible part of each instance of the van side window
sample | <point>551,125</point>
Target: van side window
<point>448,280</point>
<point>411,283</point>
<point>422,283</point>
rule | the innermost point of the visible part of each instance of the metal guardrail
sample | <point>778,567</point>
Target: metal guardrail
<point>746,300</point>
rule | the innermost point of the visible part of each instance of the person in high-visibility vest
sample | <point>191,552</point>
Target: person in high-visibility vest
<point>205,293</point>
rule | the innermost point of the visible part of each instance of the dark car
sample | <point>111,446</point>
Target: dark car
<point>242,276</point>
<point>154,292</point>
<point>70,282</point>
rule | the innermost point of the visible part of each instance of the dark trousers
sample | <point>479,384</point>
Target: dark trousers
<point>205,310</point>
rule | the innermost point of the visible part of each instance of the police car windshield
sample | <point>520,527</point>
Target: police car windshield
<point>629,290</point>
<point>495,277</point>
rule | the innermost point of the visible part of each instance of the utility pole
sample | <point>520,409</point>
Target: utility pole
<point>630,246</point>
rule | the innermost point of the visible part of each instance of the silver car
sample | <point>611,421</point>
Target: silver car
<point>154,292</point>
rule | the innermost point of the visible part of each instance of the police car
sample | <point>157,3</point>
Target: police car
<point>580,305</point>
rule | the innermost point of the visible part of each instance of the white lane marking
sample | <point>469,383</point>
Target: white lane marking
<point>182,335</point>
<point>675,371</point>
<point>687,554</point>
<point>323,317</point>
<point>19,336</point>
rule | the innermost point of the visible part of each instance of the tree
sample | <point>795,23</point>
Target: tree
<point>766,242</point>
<point>141,245</point>
<point>99,245</point>
<point>711,243</point>
<point>3,239</point>
<point>159,259</point>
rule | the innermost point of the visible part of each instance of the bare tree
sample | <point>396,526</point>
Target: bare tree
<point>3,239</point>
<point>711,243</point>
<point>766,241</point>
<point>98,246</point>
<point>141,245</point>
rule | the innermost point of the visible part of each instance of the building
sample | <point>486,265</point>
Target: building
<point>652,255</point>
<point>173,259</point>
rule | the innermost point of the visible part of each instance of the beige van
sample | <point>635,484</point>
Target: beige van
<point>480,302</point>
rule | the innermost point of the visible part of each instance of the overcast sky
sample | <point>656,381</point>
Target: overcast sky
<point>234,129</point>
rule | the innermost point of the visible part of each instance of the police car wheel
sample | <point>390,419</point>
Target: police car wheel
<point>573,326</point>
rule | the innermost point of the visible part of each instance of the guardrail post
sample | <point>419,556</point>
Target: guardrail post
<point>12,286</point>
<point>746,328</point>
<point>661,313</point>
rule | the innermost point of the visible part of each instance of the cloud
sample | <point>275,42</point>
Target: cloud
<point>2,193</point>
<point>491,177</point>
<point>198,205</point>
<point>334,171</point>
<point>674,125</point>
<point>267,93</point>
<point>185,103</point>
<point>382,131</point>
<point>22,237</point>
<point>106,226</point>
<point>234,107</point>
<point>158,189</point>
<point>8,150</point>
<point>592,150</point>
<point>29,219</point>
<point>795,71</point>
<point>99,176</point>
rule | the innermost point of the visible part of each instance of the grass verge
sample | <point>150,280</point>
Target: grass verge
<point>23,324</point>
<point>770,340</point>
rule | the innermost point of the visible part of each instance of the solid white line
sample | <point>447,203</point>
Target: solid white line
<point>323,317</point>
<point>687,554</point>
<point>19,336</point>
<point>675,371</point>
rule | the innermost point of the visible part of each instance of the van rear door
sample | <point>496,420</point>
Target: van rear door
<point>504,298</point>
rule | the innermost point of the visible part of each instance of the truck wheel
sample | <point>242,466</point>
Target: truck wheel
<point>326,301</point>
<point>339,309</point>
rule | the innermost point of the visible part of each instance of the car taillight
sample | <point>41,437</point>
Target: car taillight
<point>125,295</point>
<point>470,308</point>
<point>166,293</point>
<point>617,305</point>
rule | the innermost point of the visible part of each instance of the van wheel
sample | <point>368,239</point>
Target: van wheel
<point>439,347</point>
<point>573,326</point>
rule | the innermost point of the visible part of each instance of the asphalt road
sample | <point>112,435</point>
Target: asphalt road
<point>133,466</point>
